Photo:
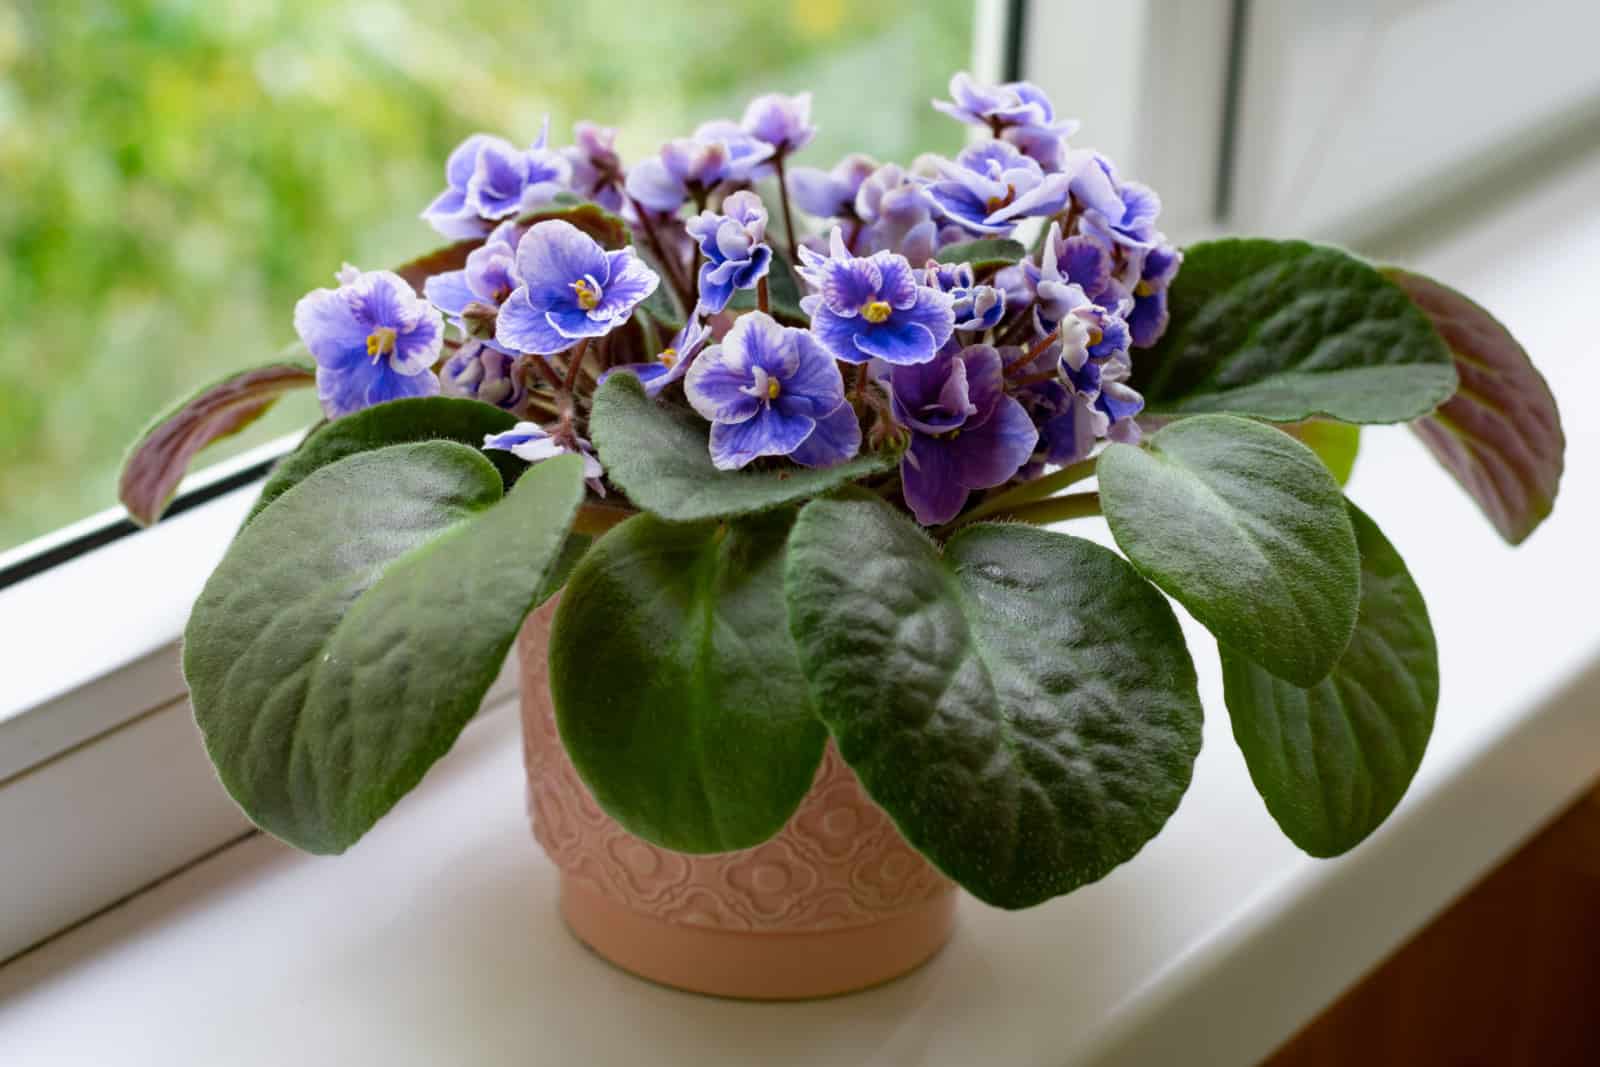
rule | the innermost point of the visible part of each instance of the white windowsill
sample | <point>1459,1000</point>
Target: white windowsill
<point>436,940</point>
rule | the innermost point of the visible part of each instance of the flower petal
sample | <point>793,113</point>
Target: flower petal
<point>769,433</point>
<point>449,292</point>
<point>989,454</point>
<point>553,254</point>
<point>715,386</point>
<point>522,327</point>
<point>836,439</point>
<point>928,482</point>
<point>328,327</point>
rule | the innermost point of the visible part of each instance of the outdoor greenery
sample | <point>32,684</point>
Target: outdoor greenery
<point>177,173</point>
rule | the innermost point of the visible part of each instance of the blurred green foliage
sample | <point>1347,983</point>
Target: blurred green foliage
<point>174,174</point>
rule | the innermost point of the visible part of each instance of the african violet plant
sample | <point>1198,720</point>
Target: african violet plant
<point>794,481</point>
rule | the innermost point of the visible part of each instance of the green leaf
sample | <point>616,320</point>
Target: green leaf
<point>1335,443</point>
<point>660,458</point>
<point>158,459</point>
<point>1500,435</point>
<point>783,294</point>
<point>1285,330</point>
<point>677,689</point>
<point>1022,706</point>
<point>1246,528</point>
<point>1332,761</point>
<point>985,254</point>
<point>573,549</point>
<point>352,629</point>
<point>395,422</point>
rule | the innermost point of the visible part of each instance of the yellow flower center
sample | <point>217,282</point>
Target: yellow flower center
<point>380,342</point>
<point>588,295</point>
<point>668,356</point>
<point>876,311</point>
<point>773,389</point>
<point>1095,336</point>
<point>1143,289</point>
<point>995,203</point>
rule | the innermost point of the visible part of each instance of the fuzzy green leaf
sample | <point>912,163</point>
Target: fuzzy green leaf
<point>1336,443</point>
<point>1022,705</point>
<point>984,254</point>
<point>1332,761</point>
<point>1246,528</point>
<point>676,686</point>
<point>660,458</point>
<point>432,418</point>
<point>352,629</point>
<point>1285,330</point>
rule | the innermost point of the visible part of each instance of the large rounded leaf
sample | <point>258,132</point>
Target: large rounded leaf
<point>395,422</point>
<point>352,629</point>
<point>1248,530</point>
<point>660,458</point>
<point>1022,705</point>
<point>1286,330</point>
<point>676,684</point>
<point>1500,435</point>
<point>1332,761</point>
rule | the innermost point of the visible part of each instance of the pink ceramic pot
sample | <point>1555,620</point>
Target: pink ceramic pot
<point>836,902</point>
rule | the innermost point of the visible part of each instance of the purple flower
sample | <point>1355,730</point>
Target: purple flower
<point>372,338</point>
<point>872,307</point>
<point>976,307</point>
<point>1019,112</point>
<point>596,169</point>
<point>489,277</point>
<point>571,289</point>
<point>483,373</point>
<point>830,193</point>
<point>673,361</point>
<point>487,178</point>
<point>1114,211</point>
<point>991,187</point>
<point>783,122</point>
<point>896,215</point>
<point>966,433</point>
<point>732,242</point>
<point>693,166</point>
<point>766,390</point>
<point>1148,319</point>
<point>528,441</point>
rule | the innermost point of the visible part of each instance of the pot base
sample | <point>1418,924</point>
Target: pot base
<point>762,965</point>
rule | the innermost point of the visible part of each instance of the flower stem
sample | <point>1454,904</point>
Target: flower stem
<point>596,519</point>
<point>788,217</point>
<point>1055,509</point>
<point>1034,351</point>
<point>1018,496</point>
<point>575,364</point>
<point>763,300</point>
<point>542,365</point>
<point>660,251</point>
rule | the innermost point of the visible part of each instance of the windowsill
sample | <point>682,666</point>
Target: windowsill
<point>436,939</point>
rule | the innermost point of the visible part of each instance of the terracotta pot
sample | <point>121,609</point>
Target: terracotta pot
<point>836,902</point>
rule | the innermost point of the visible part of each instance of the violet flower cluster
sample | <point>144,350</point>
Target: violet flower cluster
<point>975,373</point>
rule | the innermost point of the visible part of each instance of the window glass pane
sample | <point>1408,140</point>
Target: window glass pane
<point>178,172</point>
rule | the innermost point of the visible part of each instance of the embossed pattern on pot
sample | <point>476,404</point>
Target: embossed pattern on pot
<point>838,863</point>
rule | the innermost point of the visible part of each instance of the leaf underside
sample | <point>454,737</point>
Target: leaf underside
<point>1500,434</point>
<point>158,459</point>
